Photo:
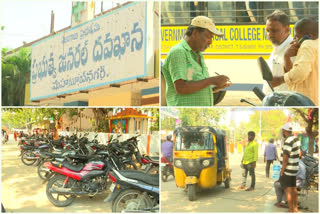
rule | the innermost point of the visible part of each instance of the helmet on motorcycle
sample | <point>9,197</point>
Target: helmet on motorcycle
<point>169,137</point>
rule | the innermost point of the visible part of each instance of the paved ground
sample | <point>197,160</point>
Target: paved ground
<point>219,199</point>
<point>22,189</point>
<point>232,98</point>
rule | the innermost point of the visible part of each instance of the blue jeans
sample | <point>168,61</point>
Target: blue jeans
<point>248,168</point>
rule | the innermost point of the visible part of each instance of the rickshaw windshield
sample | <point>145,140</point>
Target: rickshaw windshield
<point>190,141</point>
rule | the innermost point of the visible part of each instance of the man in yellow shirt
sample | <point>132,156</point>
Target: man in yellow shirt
<point>249,159</point>
<point>302,75</point>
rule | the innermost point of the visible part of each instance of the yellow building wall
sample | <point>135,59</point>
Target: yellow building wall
<point>119,99</point>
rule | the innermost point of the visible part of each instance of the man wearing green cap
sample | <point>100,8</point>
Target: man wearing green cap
<point>187,78</point>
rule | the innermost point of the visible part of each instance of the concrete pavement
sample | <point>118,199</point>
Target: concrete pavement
<point>23,191</point>
<point>219,199</point>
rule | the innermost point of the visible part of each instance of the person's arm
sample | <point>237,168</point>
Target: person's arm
<point>255,150</point>
<point>276,152</point>
<point>302,66</point>
<point>290,52</point>
<point>284,163</point>
<point>189,87</point>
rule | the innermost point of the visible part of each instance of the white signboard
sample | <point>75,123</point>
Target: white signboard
<point>106,50</point>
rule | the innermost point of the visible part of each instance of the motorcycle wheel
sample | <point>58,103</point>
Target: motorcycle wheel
<point>130,200</point>
<point>43,172</point>
<point>26,155</point>
<point>57,199</point>
<point>227,183</point>
<point>164,174</point>
<point>192,192</point>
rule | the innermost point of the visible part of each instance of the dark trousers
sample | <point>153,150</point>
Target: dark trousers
<point>269,162</point>
<point>248,168</point>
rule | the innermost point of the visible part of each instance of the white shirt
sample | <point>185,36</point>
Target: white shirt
<point>276,65</point>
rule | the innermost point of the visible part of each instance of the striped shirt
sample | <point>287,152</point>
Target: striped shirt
<point>291,148</point>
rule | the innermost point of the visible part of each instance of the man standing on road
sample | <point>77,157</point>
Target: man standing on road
<point>290,166</point>
<point>249,159</point>
<point>278,32</point>
<point>186,74</point>
<point>167,148</point>
<point>270,154</point>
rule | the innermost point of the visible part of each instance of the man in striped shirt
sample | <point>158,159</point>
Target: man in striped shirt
<point>290,166</point>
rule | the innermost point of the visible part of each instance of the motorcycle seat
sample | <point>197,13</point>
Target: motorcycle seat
<point>69,141</point>
<point>76,168</point>
<point>79,157</point>
<point>56,142</point>
<point>152,179</point>
<point>154,158</point>
<point>27,147</point>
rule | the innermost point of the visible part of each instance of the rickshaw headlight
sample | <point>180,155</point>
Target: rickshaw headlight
<point>206,163</point>
<point>178,163</point>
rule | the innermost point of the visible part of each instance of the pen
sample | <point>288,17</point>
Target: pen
<point>219,75</point>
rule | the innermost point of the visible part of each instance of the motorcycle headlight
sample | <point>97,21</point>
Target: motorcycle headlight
<point>178,163</point>
<point>206,163</point>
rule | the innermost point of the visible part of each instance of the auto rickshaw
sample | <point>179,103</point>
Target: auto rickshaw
<point>200,159</point>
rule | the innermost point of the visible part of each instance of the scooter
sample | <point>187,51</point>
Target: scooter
<point>133,191</point>
<point>278,98</point>
<point>166,169</point>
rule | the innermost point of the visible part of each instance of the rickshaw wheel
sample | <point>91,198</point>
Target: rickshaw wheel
<point>164,174</point>
<point>192,192</point>
<point>227,183</point>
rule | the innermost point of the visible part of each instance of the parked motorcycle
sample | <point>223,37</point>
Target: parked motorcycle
<point>150,164</point>
<point>312,170</point>
<point>166,169</point>
<point>72,180</point>
<point>133,191</point>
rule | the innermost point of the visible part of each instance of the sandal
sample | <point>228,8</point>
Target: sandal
<point>242,187</point>
<point>280,205</point>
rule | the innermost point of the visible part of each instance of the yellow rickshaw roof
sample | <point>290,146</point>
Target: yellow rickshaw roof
<point>196,129</point>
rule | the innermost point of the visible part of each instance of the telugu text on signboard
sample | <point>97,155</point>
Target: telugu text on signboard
<point>108,49</point>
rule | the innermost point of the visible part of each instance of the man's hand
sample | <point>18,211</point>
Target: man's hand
<point>254,164</point>
<point>276,81</point>
<point>217,89</point>
<point>282,172</point>
<point>220,81</point>
<point>189,87</point>
<point>292,50</point>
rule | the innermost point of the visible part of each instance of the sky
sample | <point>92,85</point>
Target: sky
<point>29,20</point>
<point>243,114</point>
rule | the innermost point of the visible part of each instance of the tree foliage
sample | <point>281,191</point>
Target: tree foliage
<point>26,117</point>
<point>309,118</point>
<point>271,123</point>
<point>167,123</point>
<point>201,116</point>
<point>156,117</point>
<point>100,124</point>
<point>15,74</point>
